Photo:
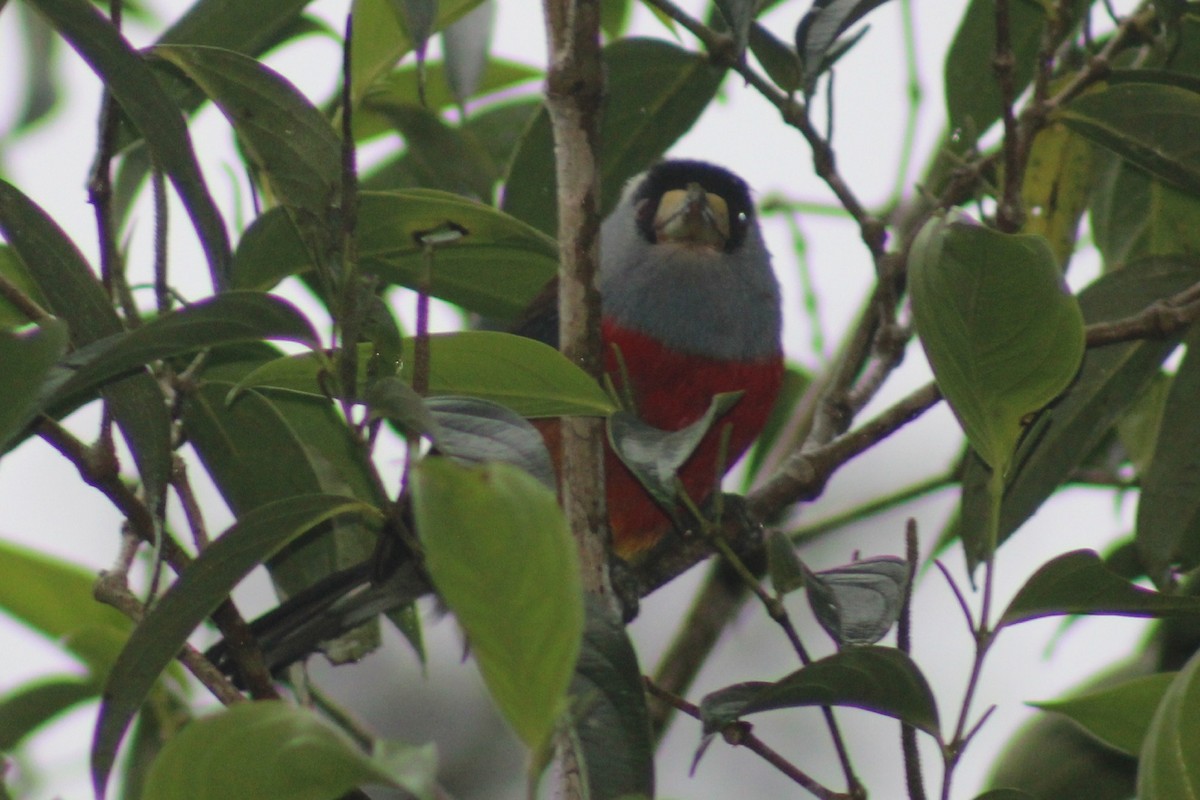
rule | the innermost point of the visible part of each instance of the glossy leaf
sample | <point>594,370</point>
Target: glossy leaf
<point>466,43</point>
<point>477,430</point>
<point>285,136</point>
<point>500,554</point>
<point>269,251</point>
<point>243,444</point>
<point>1169,762</point>
<point>15,272</point>
<point>531,378</point>
<point>778,58</point>
<point>495,266</point>
<point>655,92</point>
<point>134,86</point>
<point>55,599</point>
<point>74,294</point>
<point>207,582</point>
<point>380,40</point>
<point>1056,186</point>
<point>1005,794</point>
<point>857,604</point>
<point>654,455</point>
<point>27,358</point>
<point>1109,381</point>
<point>29,707</point>
<point>276,751</point>
<point>437,155</point>
<point>819,29</point>
<point>1134,215</point>
<point>1118,715</point>
<point>1151,125</point>
<point>399,87</point>
<point>738,16</point>
<point>1168,515</point>
<point>1079,583</point>
<point>783,565</point>
<point>228,318</point>
<point>1003,335</point>
<point>878,679</point>
<point>1052,757</point>
<point>609,719</point>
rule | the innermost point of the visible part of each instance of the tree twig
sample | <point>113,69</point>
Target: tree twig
<point>574,89</point>
<point>739,734</point>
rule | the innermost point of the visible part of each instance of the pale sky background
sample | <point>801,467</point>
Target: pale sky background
<point>43,503</point>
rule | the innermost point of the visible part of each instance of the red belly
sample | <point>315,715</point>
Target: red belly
<point>671,391</point>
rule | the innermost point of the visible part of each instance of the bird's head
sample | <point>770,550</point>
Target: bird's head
<point>683,260</point>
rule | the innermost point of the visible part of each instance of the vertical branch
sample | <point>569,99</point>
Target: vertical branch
<point>574,88</point>
<point>1009,214</point>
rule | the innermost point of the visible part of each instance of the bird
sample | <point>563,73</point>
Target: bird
<point>690,308</point>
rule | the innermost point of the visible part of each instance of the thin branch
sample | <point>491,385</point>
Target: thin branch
<point>98,468</point>
<point>111,589</point>
<point>23,302</point>
<point>1009,213</point>
<point>574,90</point>
<point>908,734</point>
<point>739,734</point>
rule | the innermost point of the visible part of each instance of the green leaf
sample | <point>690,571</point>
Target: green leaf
<point>1052,757</point>
<point>1003,335</point>
<point>14,270</point>
<point>466,44</point>
<point>1056,186</point>
<point>783,565</point>
<point>74,294</point>
<point>609,720</point>
<point>878,679</point>
<point>380,40</point>
<point>437,155</point>
<point>55,599</point>
<point>1111,379</point>
<point>1168,515</point>
<point>1079,583</point>
<point>1005,794</point>
<point>1119,715</point>
<point>500,554</point>
<point>399,87</point>
<point>495,266</point>
<point>1169,763</point>
<point>134,86</point>
<point>654,455</point>
<point>269,251</point>
<point>1134,215</point>
<point>857,604</point>
<point>477,430</point>
<point>275,751</point>
<point>194,596</point>
<point>284,135</point>
<point>29,707</point>
<point>27,358</point>
<point>228,318</point>
<point>1150,125</point>
<point>531,378</point>
<point>242,445</point>
<point>778,58</point>
<point>655,93</point>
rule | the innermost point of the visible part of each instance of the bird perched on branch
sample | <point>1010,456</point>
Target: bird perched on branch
<point>690,310</point>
